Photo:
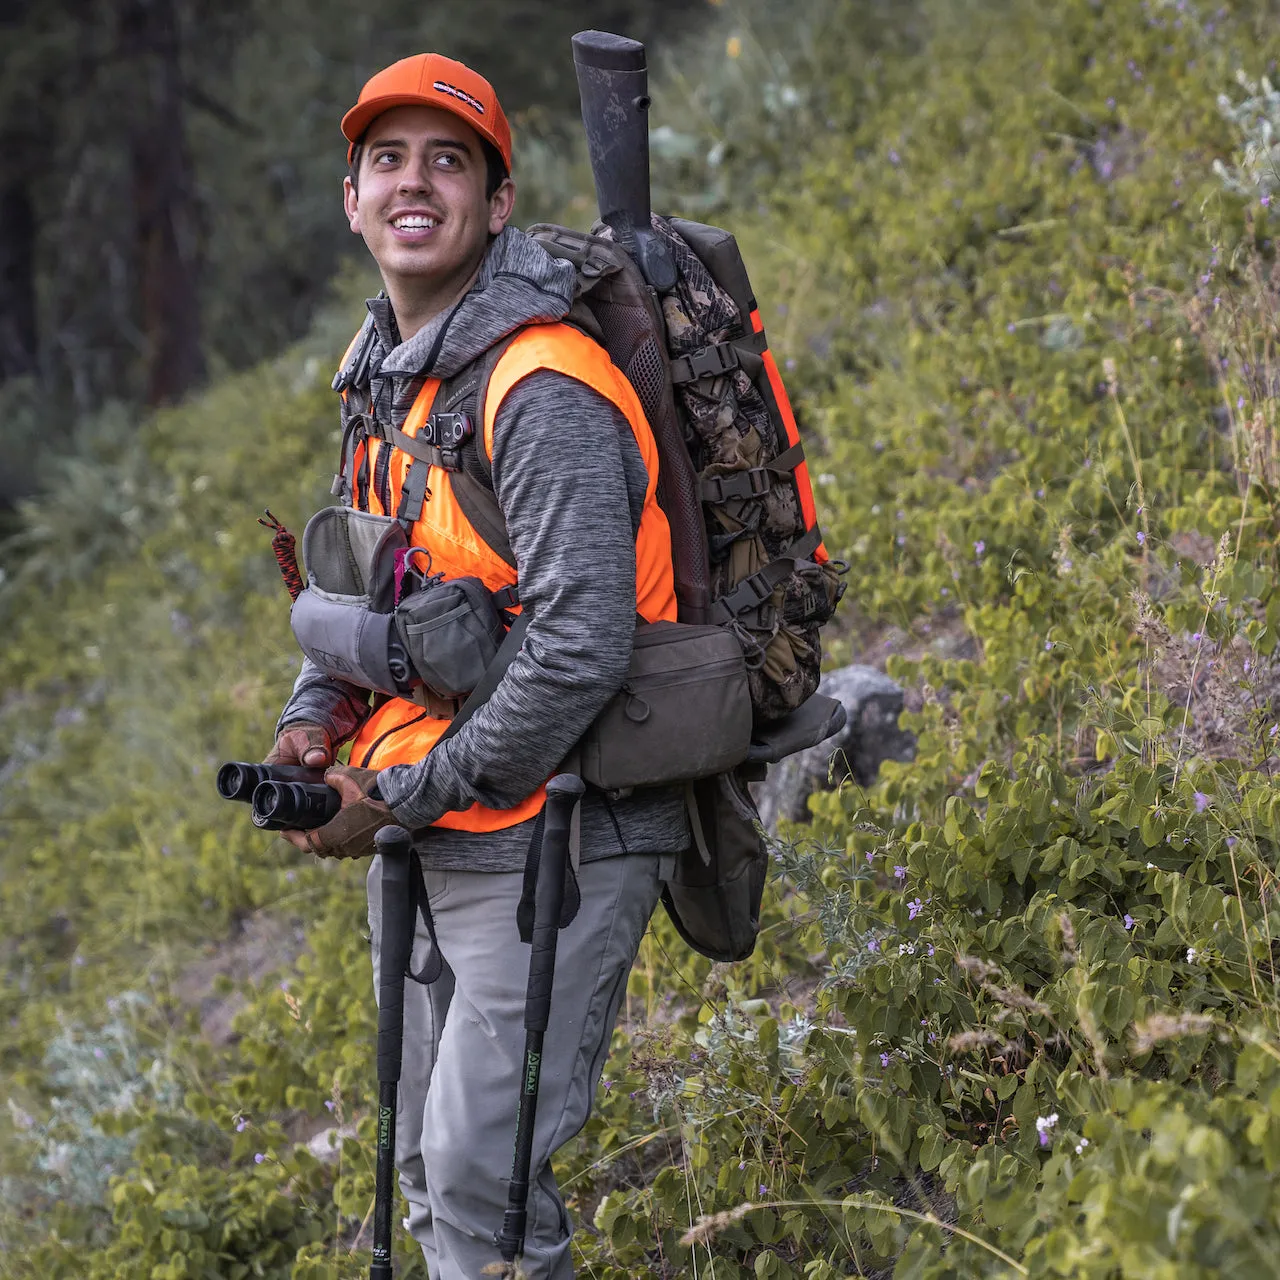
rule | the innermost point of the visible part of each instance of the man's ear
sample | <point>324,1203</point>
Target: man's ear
<point>501,204</point>
<point>351,204</point>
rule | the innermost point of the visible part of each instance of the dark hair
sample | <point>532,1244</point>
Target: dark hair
<point>495,169</point>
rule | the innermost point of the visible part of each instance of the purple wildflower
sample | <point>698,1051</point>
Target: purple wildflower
<point>871,857</point>
<point>259,1158</point>
<point>241,1125</point>
<point>873,945</point>
<point>914,908</point>
<point>899,873</point>
<point>1266,202</point>
<point>1202,801</point>
<point>329,1104</point>
<point>1128,922</point>
<point>1142,538</point>
<point>884,1059</point>
<point>979,547</point>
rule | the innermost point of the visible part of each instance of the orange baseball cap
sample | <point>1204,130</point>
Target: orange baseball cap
<point>431,80</point>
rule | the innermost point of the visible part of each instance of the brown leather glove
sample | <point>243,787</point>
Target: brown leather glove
<point>306,744</point>
<point>349,833</point>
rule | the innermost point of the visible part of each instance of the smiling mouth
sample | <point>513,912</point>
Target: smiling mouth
<point>414,222</point>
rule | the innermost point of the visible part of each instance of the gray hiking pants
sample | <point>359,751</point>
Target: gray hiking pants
<point>464,1047</point>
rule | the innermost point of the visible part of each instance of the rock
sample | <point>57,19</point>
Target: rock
<point>871,735</point>
<point>326,1146</point>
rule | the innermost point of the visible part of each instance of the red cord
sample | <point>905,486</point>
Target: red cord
<point>284,544</point>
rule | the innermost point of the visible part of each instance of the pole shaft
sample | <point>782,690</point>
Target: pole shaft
<point>563,794</point>
<point>395,945</point>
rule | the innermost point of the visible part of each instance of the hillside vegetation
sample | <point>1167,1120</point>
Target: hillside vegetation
<point>1016,1009</point>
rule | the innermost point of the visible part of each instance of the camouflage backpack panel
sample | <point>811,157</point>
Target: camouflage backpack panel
<point>736,433</point>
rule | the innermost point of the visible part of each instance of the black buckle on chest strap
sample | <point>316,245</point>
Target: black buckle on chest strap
<point>448,432</point>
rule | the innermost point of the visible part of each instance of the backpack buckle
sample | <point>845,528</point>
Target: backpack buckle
<point>710,362</point>
<point>746,485</point>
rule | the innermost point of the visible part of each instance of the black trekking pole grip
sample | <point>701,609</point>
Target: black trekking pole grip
<point>613,84</point>
<point>395,942</point>
<point>563,793</point>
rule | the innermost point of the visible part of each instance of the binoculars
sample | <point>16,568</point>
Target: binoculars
<point>282,797</point>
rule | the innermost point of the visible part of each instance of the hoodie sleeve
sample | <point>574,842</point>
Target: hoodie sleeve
<point>566,470</point>
<point>319,699</point>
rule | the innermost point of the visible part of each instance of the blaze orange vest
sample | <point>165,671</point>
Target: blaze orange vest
<point>401,732</point>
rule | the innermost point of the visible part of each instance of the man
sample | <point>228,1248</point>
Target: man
<point>574,471</point>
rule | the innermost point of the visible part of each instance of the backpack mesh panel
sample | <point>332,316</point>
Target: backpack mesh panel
<point>630,341</point>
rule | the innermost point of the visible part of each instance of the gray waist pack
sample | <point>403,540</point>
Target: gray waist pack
<point>684,711</point>
<point>442,633</point>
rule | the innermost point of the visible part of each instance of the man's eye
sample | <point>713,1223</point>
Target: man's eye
<point>384,156</point>
<point>448,159</point>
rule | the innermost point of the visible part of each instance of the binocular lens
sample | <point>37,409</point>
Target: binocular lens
<point>293,806</point>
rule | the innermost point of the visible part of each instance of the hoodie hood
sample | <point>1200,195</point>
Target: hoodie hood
<point>519,283</point>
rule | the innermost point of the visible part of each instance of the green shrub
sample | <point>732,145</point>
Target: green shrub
<point>1014,1011</point>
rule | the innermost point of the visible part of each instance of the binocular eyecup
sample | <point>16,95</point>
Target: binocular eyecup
<point>283,797</point>
<point>293,806</point>
<point>237,781</point>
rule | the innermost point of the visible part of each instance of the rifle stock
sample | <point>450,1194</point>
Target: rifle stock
<point>613,84</point>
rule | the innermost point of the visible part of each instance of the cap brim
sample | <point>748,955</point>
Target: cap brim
<point>361,116</point>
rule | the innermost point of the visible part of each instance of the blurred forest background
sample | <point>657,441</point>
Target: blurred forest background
<point>1015,1011</point>
<point>170,170</point>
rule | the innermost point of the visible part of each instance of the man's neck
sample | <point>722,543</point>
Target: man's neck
<point>416,306</point>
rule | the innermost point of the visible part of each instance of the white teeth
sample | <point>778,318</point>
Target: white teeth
<point>414,223</point>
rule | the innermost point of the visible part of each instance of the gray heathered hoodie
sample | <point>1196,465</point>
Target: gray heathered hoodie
<point>570,482</point>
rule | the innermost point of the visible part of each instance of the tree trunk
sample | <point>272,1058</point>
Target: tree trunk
<point>166,212</point>
<point>19,343</point>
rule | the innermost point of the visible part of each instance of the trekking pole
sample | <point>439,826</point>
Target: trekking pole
<point>396,943</point>
<point>563,793</point>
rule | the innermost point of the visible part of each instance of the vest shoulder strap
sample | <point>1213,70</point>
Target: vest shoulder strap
<point>463,394</point>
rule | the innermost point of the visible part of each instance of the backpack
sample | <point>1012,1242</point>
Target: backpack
<point>747,552</point>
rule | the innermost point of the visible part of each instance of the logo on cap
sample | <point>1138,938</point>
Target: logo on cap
<point>441,87</point>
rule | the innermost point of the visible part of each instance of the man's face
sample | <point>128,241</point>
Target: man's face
<point>420,204</point>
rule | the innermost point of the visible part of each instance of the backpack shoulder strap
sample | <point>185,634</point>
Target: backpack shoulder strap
<point>465,393</point>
